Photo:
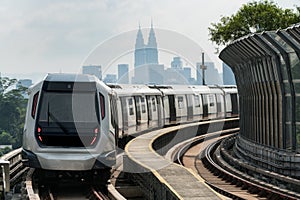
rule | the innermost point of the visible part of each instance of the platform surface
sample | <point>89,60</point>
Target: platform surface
<point>182,181</point>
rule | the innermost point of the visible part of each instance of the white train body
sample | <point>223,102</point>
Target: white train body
<point>74,122</point>
<point>67,124</point>
<point>140,107</point>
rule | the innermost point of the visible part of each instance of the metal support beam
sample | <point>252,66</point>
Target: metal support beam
<point>5,174</point>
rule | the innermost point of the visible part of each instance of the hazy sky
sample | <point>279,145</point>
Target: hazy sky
<point>56,35</point>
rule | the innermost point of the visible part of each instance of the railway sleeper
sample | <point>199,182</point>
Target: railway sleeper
<point>245,186</point>
<point>253,190</point>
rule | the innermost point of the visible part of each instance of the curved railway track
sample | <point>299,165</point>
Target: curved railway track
<point>202,156</point>
<point>47,191</point>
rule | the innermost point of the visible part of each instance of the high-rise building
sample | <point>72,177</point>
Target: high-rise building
<point>212,76</point>
<point>228,76</point>
<point>123,76</point>
<point>151,48</point>
<point>187,73</point>
<point>176,74</point>
<point>199,77</point>
<point>176,63</point>
<point>146,67</point>
<point>93,70</point>
<point>139,52</point>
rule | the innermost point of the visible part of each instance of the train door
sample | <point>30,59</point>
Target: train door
<point>130,118</point>
<point>144,113</point>
<point>166,110</point>
<point>220,105</point>
<point>197,107</point>
<point>205,105</point>
<point>149,108</point>
<point>228,105</point>
<point>212,108</point>
<point>141,113</point>
<point>159,111</point>
<point>114,117</point>
<point>152,111</point>
<point>234,103</point>
<point>123,106</point>
<point>181,108</point>
<point>190,105</point>
<point>172,109</point>
<point>138,112</point>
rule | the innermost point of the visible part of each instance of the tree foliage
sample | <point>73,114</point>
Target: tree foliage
<point>12,112</point>
<point>252,18</point>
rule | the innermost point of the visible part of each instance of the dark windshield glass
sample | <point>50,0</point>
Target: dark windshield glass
<point>68,107</point>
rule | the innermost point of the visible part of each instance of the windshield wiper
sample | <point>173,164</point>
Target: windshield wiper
<point>56,121</point>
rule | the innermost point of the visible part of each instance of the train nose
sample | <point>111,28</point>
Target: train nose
<point>70,161</point>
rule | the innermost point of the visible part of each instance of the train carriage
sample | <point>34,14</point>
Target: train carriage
<point>139,108</point>
<point>231,101</point>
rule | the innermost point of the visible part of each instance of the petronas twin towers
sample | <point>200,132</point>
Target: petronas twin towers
<point>145,53</point>
<point>146,67</point>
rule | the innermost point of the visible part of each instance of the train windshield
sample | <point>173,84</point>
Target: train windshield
<point>68,119</point>
<point>69,107</point>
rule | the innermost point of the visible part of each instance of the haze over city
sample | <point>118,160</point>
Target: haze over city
<point>56,36</point>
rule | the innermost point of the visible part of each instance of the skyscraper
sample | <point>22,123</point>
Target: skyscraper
<point>212,76</point>
<point>151,48</point>
<point>146,67</point>
<point>228,76</point>
<point>123,76</point>
<point>139,52</point>
<point>176,63</point>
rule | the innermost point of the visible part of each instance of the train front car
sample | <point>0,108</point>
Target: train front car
<point>67,125</point>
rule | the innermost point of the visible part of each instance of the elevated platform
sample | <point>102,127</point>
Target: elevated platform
<point>165,179</point>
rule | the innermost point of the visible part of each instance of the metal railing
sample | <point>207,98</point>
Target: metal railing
<point>12,170</point>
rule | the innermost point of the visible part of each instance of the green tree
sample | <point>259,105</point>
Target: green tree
<point>252,18</point>
<point>4,151</point>
<point>6,139</point>
<point>12,111</point>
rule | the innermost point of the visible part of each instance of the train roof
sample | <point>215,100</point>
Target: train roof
<point>133,89</point>
<point>64,77</point>
<point>186,89</point>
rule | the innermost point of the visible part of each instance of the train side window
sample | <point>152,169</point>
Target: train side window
<point>130,105</point>
<point>102,105</point>
<point>149,103</point>
<point>130,101</point>
<point>34,104</point>
<point>149,108</point>
<point>153,104</point>
<point>211,100</point>
<point>219,102</point>
<point>197,101</point>
<point>180,102</point>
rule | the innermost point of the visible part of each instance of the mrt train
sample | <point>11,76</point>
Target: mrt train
<point>74,122</point>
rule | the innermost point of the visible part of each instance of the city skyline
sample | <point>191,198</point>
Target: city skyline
<point>56,36</point>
